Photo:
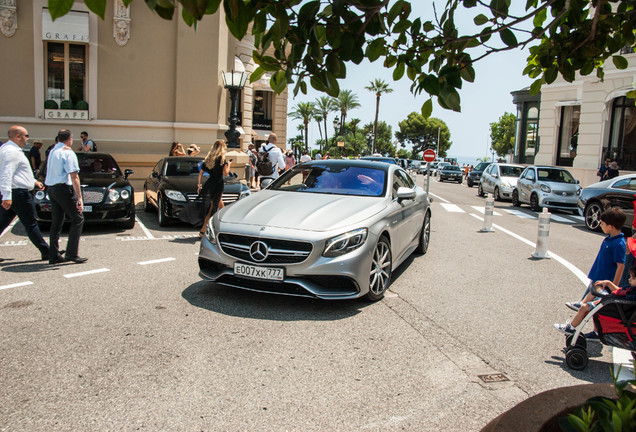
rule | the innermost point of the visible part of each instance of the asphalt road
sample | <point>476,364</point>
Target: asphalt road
<point>135,340</point>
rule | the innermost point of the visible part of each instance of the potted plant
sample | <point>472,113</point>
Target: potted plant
<point>66,104</point>
<point>50,104</point>
<point>81,105</point>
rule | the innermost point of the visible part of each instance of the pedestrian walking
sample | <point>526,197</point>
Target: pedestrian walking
<point>305,157</point>
<point>63,186</point>
<point>275,159</point>
<point>212,191</point>
<point>35,158</point>
<point>603,169</point>
<point>612,170</point>
<point>290,160</point>
<point>16,184</point>
<point>87,143</point>
<point>251,152</point>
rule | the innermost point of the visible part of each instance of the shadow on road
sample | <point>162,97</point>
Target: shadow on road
<point>247,304</point>
<point>597,371</point>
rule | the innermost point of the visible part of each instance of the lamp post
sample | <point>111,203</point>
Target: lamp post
<point>234,82</point>
<point>336,123</point>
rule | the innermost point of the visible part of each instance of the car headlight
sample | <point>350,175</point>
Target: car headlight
<point>40,195</point>
<point>578,192</point>
<point>210,234</point>
<point>545,188</point>
<point>175,195</point>
<point>113,195</point>
<point>244,193</point>
<point>345,243</point>
<point>125,194</point>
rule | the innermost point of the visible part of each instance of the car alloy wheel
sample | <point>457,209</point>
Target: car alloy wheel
<point>425,235</point>
<point>480,190</point>
<point>380,276</point>
<point>496,194</point>
<point>534,203</point>
<point>593,216</point>
<point>147,206</point>
<point>161,218</point>
<point>515,198</point>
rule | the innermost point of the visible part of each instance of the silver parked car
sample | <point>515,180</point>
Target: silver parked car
<point>547,186</point>
<point>330,229</point>
<point>499,179</point>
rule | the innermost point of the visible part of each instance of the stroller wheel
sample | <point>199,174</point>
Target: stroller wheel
<point>580,342</point>
<point>576,358</point>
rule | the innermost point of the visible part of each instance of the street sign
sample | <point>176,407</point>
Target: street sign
<point>429,155</point>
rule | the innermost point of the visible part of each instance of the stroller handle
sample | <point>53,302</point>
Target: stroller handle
<point>595,290</point>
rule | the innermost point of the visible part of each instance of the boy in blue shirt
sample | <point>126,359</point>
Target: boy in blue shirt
<point>610,261</point>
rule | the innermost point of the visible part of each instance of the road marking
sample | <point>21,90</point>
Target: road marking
<point>520,214</point>
<point>623,358</point>
<point>558,218</point>
<point>157,261</point>
<point>9,228</point>
<point>15,285</point>
<point>439,197</point>
<point>144,229</point>
<point>482,210</point>
<point>453,208</point>
<point>86,273</point>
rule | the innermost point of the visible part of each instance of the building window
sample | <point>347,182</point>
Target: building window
<point>66,74</point>
<point>622,138</point>
<point>532,128</point>
<point>568,134</point>
<point>262,110</point>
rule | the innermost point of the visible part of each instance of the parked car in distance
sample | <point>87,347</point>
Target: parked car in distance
<point>450,172</point>
<point>107,194</point>
<point>423,168</point>
<point>172,185</point>
<point>547,186</point>
<point>499,179</point>
<point>475,174</point>
<point>331,229</point>
<point>438,167</point>
<point>617,192</point>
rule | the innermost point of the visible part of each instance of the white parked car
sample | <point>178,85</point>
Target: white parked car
<point>499,179</point>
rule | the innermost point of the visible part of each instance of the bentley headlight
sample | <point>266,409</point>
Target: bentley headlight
<point>545,188</point>
<point>210,234</point>
<point>113,195</point>
<point>345,243</point>
<point>40,195</point>
<point>125,194</point>
<point>175,195</point>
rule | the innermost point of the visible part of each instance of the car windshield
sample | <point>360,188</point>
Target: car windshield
<point>333,179</point>
<point>482,166</point>
<point>182,167</point>
<point>451,168</point>
<point>510,171</point>
<point>555,175</point>
<point>97,166</point>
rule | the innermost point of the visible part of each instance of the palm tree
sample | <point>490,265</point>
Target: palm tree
<point>304,111</point>
<point>324,105</point>
<point>353,124</point>
<point>378,87</point>
<point>318,119</point>
<point>345,102</point>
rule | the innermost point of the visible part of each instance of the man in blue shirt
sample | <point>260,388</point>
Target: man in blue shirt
<point>65,193</point>
<point>16,184</point>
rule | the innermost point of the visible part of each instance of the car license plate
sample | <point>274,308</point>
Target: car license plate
<point>258,272</point>
<point>88,209</point>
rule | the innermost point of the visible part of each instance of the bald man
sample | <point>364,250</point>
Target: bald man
<point>16,184</point>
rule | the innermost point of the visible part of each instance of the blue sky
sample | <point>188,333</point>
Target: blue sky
<point>483,101</point>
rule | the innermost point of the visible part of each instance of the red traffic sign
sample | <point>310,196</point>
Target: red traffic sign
<point>429,155</point>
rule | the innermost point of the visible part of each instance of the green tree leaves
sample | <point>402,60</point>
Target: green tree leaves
<point>422,133</point>
<point>502,134</point>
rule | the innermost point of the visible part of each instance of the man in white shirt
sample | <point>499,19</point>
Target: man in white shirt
<point>275,157</point>
<point>16,184</point>
<point>305,157</point>
<point>63,185</point>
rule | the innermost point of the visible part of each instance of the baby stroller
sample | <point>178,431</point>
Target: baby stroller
<point>615,321</point>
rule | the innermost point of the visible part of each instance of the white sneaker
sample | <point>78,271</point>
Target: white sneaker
<point>575,306</point>
<point>565,328</point>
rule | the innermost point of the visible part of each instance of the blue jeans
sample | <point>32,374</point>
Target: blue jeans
<point>22,205</point>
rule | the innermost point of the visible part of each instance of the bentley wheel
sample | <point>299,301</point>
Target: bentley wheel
<point>380,276</point>
<point>147,206</point>
<point>161,218</point>
<point>425,235</point>
<point>130,223</point>
<point>593,215</point>
<point>534,203</point>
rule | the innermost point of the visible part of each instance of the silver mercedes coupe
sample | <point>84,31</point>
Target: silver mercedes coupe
<point>329,229</point>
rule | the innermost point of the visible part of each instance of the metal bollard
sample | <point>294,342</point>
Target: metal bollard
<point>541,250</point>
<point>488,212</point>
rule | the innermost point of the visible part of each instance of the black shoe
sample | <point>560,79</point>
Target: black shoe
<point>58,260</point>
<point>77,259</point>
<point>45,256</point>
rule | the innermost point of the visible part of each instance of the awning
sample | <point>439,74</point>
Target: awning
<point>72,27</point>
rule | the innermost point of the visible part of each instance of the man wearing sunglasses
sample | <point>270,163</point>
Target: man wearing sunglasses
<point>16,184</point>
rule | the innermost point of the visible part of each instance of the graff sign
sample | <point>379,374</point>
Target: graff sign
<point>61,114</point>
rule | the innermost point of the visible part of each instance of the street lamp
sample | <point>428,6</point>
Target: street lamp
<point>336,123</point>
<point>234,82</point>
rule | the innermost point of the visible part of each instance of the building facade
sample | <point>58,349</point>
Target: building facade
<point>133,81</point>
<point>581,123</point>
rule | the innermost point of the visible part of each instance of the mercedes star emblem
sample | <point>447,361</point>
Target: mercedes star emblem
<point>259,251</point>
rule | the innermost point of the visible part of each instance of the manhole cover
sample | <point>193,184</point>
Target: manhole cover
<point>491,378</point>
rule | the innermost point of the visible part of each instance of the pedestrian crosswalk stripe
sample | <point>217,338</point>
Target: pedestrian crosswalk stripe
<point>519,214</point>
<point>483,211</point>
<point>453,208</point>
<point>558,218</point>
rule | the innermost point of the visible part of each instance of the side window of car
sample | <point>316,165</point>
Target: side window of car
<point>407,179</point>
<point>157,167</point>
<point>629,184</point>
<point>398,182</point>
<point>530,175</point>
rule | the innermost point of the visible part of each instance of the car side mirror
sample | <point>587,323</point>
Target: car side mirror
<point>154,174</point>
<point>404,193</point>
<point>128,172</point>
<point>578,182</point>
<point>495,176</point>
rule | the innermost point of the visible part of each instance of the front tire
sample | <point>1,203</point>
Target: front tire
<point>130,223</point>
<point>480,190</point>
<point>534,203</point>
<point>469,183</point>
<point>161,218</point>
<point>576,358</point>
<point>425,235</point>
<point>592,215</point>
<point>515,198</point>
<point>380,276</point>
<point>147,205</point>
<point>496,194</point>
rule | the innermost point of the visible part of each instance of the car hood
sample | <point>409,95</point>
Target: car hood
<point>512,181</point>
<point>105,181</point>
<point>301,210</point>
